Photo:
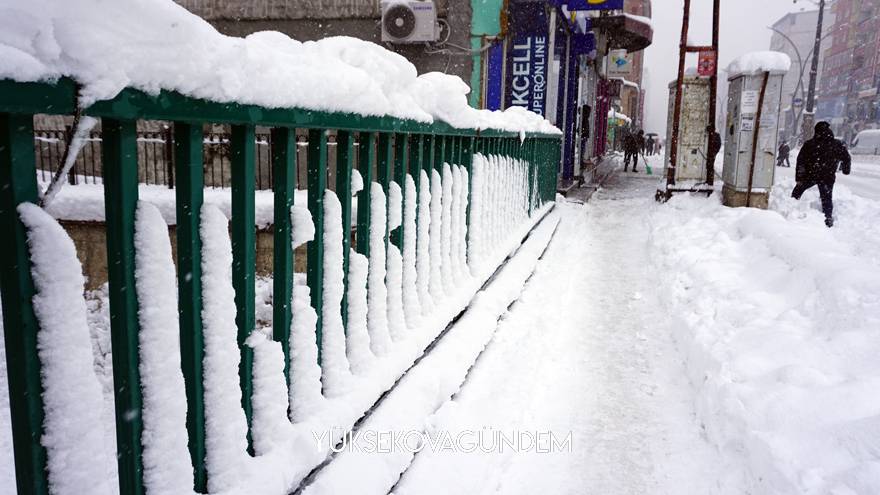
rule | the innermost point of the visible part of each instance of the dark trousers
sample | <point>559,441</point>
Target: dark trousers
<point>825,193</point>
<point>781,159</point>
<point>630,155</point>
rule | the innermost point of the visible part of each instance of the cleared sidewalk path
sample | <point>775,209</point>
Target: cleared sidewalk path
<point>579,352</point>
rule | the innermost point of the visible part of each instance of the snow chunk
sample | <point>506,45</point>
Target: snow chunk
<point>758,62</point>
<point>73,435</point>
<point>225,423</point>
<point>167,466</point>
<point>357,182</point>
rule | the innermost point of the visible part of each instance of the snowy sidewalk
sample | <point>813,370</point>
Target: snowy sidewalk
<point>579,353</point>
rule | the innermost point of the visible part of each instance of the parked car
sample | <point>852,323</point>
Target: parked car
<point>866,143</point>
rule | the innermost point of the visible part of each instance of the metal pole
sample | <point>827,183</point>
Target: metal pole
<point>809,115</point>
<point>713,88</point>
<point>757,130</point>
<point>676,114</point>
<point>799,88</point>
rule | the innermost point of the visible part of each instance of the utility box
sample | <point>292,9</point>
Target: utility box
<point>693,140</point>
<point>751,137</point>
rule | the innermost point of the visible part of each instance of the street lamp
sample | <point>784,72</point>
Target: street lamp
<point>799,88</point>
<point>795,118</point>
<point>810,113</point>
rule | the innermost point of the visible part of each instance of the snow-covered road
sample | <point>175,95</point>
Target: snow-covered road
<point>864,180</point>
<point>580,353</point>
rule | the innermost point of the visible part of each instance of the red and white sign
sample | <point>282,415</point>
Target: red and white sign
<point>707,62</point>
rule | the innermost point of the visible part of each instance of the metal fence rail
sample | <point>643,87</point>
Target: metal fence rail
<point>381,147</point>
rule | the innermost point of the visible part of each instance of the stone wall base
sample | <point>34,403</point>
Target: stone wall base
<point>736,199</point>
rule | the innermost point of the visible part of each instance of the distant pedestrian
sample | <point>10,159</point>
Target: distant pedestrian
<point>714,145</point>
<point>817,165</point>
<point>652,146</point>
<point>782,156</point>
<point>632,146</point>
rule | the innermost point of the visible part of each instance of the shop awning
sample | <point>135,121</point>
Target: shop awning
<point>626,32</point>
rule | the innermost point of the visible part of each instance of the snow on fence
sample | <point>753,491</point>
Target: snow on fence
<point>438,209</point>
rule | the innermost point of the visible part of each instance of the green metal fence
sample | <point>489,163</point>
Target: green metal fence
<point>393,147</point>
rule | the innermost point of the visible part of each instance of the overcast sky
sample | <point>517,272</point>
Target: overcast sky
<point>743,29</point>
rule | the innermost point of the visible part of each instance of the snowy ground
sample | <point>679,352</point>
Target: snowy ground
<point>580,353</point>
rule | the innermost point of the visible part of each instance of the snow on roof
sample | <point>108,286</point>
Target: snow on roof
<point>153,45</point>
<point>626,82</point>
<point>758,62</point>
<point>642,19</point>
<point>612,114</point>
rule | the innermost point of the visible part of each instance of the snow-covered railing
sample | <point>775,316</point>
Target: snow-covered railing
<point>195,378</point>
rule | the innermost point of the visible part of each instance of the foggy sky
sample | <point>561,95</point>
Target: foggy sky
<point>743,29</point>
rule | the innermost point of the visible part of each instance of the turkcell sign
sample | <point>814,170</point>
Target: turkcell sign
<point>528,73</point>
<point>527,57</point>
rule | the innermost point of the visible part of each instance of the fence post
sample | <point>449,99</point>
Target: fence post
<point>530,157</point>
<point>120,201</point>
<point>283,156</point>
<point>344,163</point>
<point>242,148</point>
<point>401,151</point>
<point>428,157</point>
<point>439,153</point>
<point>317,183</point>
<point>468,153</point>
<point>18,184</point>
<point>366,159</point>
<point>188,149</point>
<point>383,172</point>
<point>169,156</point>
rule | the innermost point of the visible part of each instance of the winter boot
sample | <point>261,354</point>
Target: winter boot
<point>829,222</point>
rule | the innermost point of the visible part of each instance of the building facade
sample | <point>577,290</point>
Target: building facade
<point>795,35</point>
<point>632,101</point>
<point>848,95</point>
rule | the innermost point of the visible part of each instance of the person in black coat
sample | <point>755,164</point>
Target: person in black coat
<point>714,145</point>
<point>817,165</point>
<point>632,146</point>
<point>782,156</point>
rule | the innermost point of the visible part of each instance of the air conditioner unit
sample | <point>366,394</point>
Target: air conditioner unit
<point>409,21</point>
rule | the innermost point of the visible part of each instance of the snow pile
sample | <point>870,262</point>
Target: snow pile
<point>85,203</point>
<point>72,432</point>
<point>500,202</point>
<point>334,364</point>
<point>777,317</point>
<point>166,455</point>
<point>225,424</point>
<point>758,62</point>
<point>108,46</point>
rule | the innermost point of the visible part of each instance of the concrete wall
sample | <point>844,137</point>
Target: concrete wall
<point>91,248</point>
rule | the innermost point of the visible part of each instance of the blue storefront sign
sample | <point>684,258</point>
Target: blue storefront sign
<point>594,4</point>
<point>527,57</point>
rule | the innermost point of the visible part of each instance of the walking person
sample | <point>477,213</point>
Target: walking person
<point>632,145</point>
<point>817,165</point>
<point>782,155</point>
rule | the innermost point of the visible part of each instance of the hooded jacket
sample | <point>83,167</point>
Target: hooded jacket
<point>821,156</point>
